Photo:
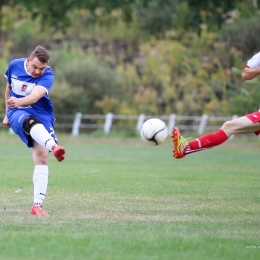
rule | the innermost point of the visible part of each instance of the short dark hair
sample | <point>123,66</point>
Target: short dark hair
<point>41,53</point>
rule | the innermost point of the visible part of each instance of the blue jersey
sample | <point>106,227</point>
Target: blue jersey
<point>22,84</point>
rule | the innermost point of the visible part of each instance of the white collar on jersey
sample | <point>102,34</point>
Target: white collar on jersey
<point>25,68</point>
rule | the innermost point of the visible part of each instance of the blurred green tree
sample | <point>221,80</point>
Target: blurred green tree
<point>53,14</point>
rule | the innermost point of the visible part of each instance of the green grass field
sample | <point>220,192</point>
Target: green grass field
<point>117,198</point>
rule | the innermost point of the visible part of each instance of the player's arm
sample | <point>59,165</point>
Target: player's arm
<point>36,94</point>
<point>7,94</point>
<point>250,73</point>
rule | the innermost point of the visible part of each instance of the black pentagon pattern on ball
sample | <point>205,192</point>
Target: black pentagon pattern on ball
<point>152,139</point>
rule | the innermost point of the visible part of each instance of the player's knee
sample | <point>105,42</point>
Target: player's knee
<point>29,122</point>
<point>229,127</point>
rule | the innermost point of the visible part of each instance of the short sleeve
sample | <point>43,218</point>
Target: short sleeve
<point>254,62</point>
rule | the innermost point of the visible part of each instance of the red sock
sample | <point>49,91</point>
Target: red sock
<point>207,141</point>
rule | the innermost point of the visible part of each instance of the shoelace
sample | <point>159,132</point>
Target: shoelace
<point>185,140</point>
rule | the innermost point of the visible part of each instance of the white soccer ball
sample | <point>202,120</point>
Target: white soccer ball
<point>154,131</point>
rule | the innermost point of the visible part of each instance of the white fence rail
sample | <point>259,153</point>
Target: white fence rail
<point>75,124</point>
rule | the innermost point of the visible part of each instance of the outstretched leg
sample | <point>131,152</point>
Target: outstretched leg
<point>32,126</point>
<point>183,147</point>
<point>242,125</point>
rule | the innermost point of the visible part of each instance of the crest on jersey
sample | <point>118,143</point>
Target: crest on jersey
<point>24,87</point>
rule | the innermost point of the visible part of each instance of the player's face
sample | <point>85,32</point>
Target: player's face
<point>35,67</point>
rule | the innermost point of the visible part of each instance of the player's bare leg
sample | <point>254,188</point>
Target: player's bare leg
<point>241,125</point>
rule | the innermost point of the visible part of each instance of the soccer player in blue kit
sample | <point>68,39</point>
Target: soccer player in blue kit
<point>29,113</point>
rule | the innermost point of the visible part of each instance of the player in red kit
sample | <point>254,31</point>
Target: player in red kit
<point>249,123</point>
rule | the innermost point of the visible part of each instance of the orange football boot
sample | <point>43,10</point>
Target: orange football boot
<point>38,210</point>
<point>59,152</point>
<point>179,143</point>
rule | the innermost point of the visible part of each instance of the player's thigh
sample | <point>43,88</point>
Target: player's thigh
<point>16,120</point>
<point>240,125</point>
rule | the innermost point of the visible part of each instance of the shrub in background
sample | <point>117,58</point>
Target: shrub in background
<point>83,79</point>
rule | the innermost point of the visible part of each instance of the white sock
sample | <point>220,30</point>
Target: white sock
<point>42,136</point>
<point>40,181</point>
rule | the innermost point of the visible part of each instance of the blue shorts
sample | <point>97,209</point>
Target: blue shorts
<point>16,118</point>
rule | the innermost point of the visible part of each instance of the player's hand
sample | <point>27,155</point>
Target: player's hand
<point>13,102</point>
<point>5,122</point>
